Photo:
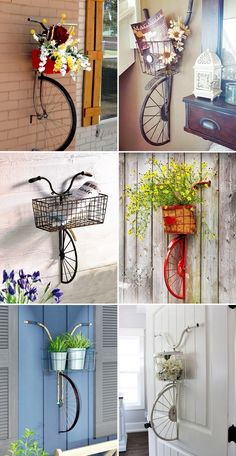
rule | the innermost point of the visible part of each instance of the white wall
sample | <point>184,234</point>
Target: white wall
<point>133,317</point>
<point>203,395</point>
<point>24,246</point>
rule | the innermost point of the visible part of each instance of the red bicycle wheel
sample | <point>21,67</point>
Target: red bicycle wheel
<point>174,267</point>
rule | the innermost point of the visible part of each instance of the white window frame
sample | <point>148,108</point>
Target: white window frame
<point>130,333</point>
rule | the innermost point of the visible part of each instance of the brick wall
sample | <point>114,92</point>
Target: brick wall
<point>16,75</point>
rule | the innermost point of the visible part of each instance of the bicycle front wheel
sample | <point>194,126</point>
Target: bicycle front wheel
<point>54,125</point>
<point>68,403</point>
<point>164,420</point>
<point>155,113</point>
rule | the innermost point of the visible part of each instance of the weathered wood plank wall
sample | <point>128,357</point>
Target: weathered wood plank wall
<point>211,263</point>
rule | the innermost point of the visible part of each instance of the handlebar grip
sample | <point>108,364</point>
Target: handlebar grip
<point>87,174</point>
<point>30,322</point>
<point>34,179</point>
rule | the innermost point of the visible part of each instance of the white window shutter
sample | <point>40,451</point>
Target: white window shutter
<point>106,371</point>
<point>8,376</point>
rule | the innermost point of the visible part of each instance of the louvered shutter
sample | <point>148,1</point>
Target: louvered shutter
<point>93,48</point>
<point>8,376</point>
<point>106,371</point>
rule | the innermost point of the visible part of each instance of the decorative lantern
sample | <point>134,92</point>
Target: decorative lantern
<point>207,75</point>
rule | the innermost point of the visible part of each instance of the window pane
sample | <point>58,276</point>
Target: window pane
<point>109,67</point>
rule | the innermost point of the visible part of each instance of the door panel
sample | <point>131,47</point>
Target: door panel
<point>203,393</point>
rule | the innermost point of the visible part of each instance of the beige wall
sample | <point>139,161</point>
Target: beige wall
<point>132,91</point>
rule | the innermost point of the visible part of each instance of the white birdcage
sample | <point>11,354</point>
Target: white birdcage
<point>207,75</point>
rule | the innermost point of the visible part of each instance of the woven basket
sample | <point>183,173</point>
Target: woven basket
<point>179,219</point>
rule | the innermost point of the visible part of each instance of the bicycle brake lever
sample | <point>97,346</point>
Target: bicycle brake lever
<point>34,179</point>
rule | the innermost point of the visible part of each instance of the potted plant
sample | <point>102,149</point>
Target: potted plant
<point>26,446</point>
<point>58,353</point>
<point>76,345</point>
<point>175,188</point>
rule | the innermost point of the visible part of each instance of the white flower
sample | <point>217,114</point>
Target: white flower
<point>167,57</point>
<point>176,33</point>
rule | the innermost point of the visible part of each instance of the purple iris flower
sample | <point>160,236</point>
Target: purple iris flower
<point>21,274</point>
<point>57,293</point>
<point>4,276</point>
<point>22,283</point>
<point>11,275</point>
<point>11,290</point>
<point>32,294</point>
<point>1,298</point>
<point>36,276</point>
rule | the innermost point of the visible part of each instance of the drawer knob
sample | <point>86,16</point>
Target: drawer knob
<point>209,124</point>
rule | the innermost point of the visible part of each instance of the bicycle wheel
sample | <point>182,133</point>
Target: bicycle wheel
<point>54,125</point>
<point>174,267</point>
<point>68,403</point>
<point>155,113</point>
<point>164,413</point>
<point>68,257</point>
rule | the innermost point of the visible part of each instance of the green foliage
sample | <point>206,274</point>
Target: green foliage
<point>76,341</point>
<point>163,185</point>
<point>57,345</point>
<point>26,446</point>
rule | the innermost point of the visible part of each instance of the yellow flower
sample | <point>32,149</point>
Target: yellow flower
<point>44,21</point>
<point>32,31</point>
<point>63,15</point>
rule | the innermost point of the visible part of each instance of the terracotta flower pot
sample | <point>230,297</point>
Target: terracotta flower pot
<point>179,219</point>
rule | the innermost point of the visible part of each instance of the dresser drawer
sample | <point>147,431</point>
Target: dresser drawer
<point>211,121</point>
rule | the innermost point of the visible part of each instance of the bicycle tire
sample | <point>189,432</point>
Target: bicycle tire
<point>158,113</point>
<point>164,416</point>
<point>68,257</point>
<point>50,100</point>
<point>69,408</point>
<point>175,267</point>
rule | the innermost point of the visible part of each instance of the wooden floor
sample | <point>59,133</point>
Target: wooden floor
<point>137,444</point>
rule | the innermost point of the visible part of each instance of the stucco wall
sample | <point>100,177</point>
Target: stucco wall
<point>133,81</point>
<point>22,245</point>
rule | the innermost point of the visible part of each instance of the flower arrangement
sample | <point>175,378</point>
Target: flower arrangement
<point>21,288</point>
<point>170,368</point>
<point>26,446</point>
<point>178,33</point>
<point>163,185</point>
<point>59,44</point>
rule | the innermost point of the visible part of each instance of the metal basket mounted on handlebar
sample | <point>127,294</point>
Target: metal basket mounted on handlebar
<point>151,58</point>
<point>56,212</point>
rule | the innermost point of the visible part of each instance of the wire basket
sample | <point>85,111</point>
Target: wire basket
<point>170,366</point>
<point>78,362</point>
<point>59,212</point>
<point>179,219</point>
<point>153,58</point>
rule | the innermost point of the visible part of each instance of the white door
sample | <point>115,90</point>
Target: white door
<point>203,405</point>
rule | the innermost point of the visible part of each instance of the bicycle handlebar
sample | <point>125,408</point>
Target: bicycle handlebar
<point>36,323</point>
<point>38,22</point>
<point>35,179</point>
<point>188,14</point>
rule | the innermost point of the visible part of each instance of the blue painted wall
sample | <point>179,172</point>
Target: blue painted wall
<point>38,389</point>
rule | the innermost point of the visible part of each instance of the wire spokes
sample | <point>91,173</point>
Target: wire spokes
<point>164,414</point>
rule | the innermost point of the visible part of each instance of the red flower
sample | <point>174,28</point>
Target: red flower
<point>59,34</point>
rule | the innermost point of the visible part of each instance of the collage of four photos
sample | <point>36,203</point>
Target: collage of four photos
<point>118,228</point>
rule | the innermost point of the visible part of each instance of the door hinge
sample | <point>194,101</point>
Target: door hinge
<point>232,434</point>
